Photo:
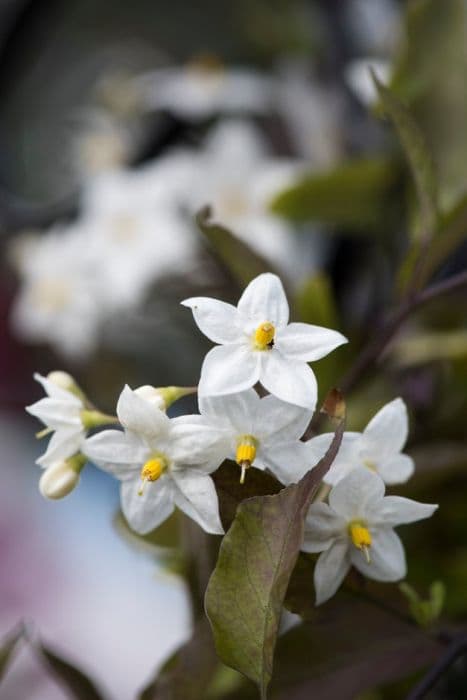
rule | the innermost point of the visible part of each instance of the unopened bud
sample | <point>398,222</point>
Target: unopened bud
<point>67,382</point>
<point>61,478</point>
<point>163,397</point>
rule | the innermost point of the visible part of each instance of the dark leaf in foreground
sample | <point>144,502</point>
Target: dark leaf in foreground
<point>246,591</point>
<point>79,686</point>
<point>8,648</point>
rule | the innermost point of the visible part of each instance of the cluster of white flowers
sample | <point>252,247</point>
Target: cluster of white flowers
<point>165,462</point>
<point>135,225</point>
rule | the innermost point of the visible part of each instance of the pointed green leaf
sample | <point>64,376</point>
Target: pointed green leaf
<point>246,592</point>
<point>354,196</point>
<point>237,257</point>
<point>419,158</point>
<point>71,678</point>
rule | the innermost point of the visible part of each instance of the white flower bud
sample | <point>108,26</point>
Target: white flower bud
<point>62,379</point>
<point>61,478</point>
<point>151,394</point>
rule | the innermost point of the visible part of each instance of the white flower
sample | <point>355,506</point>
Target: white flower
<point>356,529</point>
<point>256,343</point>
<point>204,87</point>
<point>61,412</point>
<point>378,448</point>
<point>161,462</point>
<point>359,79</point>
<point>263,432</point>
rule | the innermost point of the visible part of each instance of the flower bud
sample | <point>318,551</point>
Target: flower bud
<point>61,478</point>
<point>163,397</point>
<point>67,382</point>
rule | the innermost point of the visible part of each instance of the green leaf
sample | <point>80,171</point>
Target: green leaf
<point>245,594</point>
<point>189,671</point>
<point>72,679</point>
<point>8,648</point>
<point>419,158</point>
<point>234,254</point>
<point>353,196</point>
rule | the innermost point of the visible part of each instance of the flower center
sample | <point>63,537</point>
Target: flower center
<point>370,465</point>
<point>152,470</point>
<point>264,336</point>
<point>361,537</point>
<point>206,65</point>
<point>246,453</point>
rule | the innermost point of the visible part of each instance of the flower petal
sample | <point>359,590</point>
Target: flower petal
<point>233,412</point>
<point>141,416</point>
<point>396,510</point>
<point>387,557</point>
<point>196,496</point>
<point>57,392</point>
<point>330,570</point>
<point>64,443</point>
<point>121,454</point>
<point>264,300</point>
<point>289,461</point>
<point>289,380</point>
<point>216,319</point>
<point>386,433</point>
<point>322,527</point>
<point>301,341</point>
<point>55,413</point>
<point>397,469</point>
<point>346,458</point>
<point>356,493</point>
<point>192,440</point>
<point>228,369</point>
<point>147,511</point>
<point>279,421</point>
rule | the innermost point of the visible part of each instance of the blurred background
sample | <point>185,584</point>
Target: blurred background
<point>119,122</point>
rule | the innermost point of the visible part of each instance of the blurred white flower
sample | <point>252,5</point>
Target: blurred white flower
<point>378,448</point>
<point>205,87</point>
<point>100,144</point>
<point>61,412</point>
<point>61,477</point>
<point>256,343</point>
<point>61,292</point>
<point>375,25</point>
<point>358,78</point>
<point>161,462</point>
<point>356,529</point>
<point>263,432</point>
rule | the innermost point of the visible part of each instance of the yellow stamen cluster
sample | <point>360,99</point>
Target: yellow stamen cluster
<point>152,470</point>
<point>264,336</point>
<point>246,453</point>
<point>361,538</point>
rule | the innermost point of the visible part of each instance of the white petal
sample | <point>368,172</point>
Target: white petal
<point>280,421</point>
<point>346,458</point>
<point>197,497</point>
<point>396,510</point>
<point>387,557</point>
<point>397,469</point>
<point>234,412</point>
<point>228,369</point>
<point>322,527</point>
<point>301,341</point>
<point>216,319</point>
<point>386,433</point>
<point>55,412</point>
<point>147,511</point>
<point>192,440</point>
<point>289,380</point>
<point>330,570</point>
<point>64,443</point>
<point>121,454</point>
<point>289,462</point>
<point>356,493</point>
<point>141,416</point>
<point>264,300</point>
<point>57,392</point>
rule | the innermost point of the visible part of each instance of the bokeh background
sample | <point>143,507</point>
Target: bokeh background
<point>118,122</point>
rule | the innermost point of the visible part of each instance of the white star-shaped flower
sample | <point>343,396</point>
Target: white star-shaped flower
<point>256,343</point>
<point>356,529</point>
<point>378,448</point>
<point>61,413</point>
<point>263,432</point>
<point>161,462</point>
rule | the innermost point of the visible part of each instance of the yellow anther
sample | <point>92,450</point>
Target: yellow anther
<point>246,453</point>
<point>361,538</point>
<point>264,336</point>
<point>370,465</point>
<point>152,470</point>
